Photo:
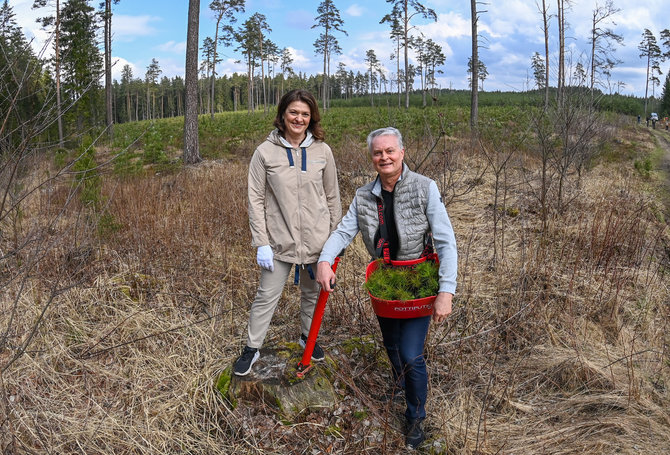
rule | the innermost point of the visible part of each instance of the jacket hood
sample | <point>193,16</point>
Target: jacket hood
<point>276,138</point>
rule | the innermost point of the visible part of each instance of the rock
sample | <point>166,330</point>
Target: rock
<point>273,379</point>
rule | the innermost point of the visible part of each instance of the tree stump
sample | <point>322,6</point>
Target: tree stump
<point>273,380</point>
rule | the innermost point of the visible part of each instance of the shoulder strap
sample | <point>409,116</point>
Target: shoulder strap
<point>382,247</point>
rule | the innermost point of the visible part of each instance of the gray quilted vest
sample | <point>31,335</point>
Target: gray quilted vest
<point>410,197</point>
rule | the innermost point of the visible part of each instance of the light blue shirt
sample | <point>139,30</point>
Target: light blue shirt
<point>444,240</point>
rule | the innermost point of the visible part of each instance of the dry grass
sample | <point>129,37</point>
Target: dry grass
<point>557,343</point>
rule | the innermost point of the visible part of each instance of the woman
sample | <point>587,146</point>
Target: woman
<point>413,210</point>
<point>294,204</point>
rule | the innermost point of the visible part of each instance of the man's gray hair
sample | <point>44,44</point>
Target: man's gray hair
<point>388,131</point>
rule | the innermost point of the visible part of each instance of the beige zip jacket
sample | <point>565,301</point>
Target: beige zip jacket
<point>294,200</point>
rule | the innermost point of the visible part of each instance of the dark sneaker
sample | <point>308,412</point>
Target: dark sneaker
<point>415,435</point>
<point>317,353</point>
<point>244,362</point>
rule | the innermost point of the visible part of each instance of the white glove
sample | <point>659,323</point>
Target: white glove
<point>264,257</point>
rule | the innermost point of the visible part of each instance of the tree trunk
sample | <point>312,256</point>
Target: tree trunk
<point>474,101</point>
<point>398,71</point>
<point>108,69</point>
<point>325,76</point>
<point>406,43</point>
<point>191,149</point>
<point>646,86</point>
<point>216,41</point>
<point>265,104</point>
<point>561,50</point>
<point>546,54</point>
<point>57,60</point>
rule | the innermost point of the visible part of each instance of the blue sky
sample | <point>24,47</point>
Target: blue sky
<point>511,33</point>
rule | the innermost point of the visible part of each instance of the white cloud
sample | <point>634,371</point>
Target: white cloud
<point>117,66</point>
<point>25,17</point>
<point>511,17</point>
<point>448,25</point>
<point>171,67</point>
<point>355,10</point>
<point>128,28</point>
<point>230,66</point>
<point>173,47</point>
<point>308,64</point>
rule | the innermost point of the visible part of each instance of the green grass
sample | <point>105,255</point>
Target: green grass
<point>232,133</point>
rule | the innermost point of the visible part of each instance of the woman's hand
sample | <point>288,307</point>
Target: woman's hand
<point>442,306</point>
<point>325,276</point>
<point>264,257</point>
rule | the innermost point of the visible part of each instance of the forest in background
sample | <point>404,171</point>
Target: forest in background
<point>75,81</point>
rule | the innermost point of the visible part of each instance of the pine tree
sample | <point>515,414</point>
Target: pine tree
<point>107,18</point>
<point>602,42</point>
<point>151,78</point>
<point>329,19</point>
<point>20,78</point>
<point>405,10</point>
<point>665,97</point>
<point>81,61</point>
<point>539,70</point>
<point>224,12</point>
<point>191,143</point>
<point>373,67</point>
<point>396,34</point>
<point>53,25</point>
<point>648,48</point>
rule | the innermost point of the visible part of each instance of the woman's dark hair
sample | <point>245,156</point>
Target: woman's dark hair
<point>314,117</point>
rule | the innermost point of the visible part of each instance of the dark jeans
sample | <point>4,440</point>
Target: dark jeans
<point>404,340</point>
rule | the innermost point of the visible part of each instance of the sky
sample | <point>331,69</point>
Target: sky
<point>510,32</point>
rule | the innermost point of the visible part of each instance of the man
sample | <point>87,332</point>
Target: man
<point>414,212</point>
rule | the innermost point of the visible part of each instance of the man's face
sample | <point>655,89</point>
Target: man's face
<point>387,156</point>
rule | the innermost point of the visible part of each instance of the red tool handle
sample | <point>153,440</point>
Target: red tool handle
<point>320,309</point>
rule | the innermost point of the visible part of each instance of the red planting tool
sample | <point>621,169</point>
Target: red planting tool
<point>305,364</point>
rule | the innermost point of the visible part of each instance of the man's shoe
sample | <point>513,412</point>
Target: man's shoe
<point>245,361</point>
<point>317,353</point>
<point>415,435</point>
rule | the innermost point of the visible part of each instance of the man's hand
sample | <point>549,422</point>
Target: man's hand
<point>442,307</point>
<point>325,276</point>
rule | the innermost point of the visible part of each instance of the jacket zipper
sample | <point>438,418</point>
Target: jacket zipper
<point>299,191</point>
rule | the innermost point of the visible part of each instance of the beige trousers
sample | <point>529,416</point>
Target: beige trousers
<point>267,296</point>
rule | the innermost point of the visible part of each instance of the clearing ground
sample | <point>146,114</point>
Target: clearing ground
<point>122,320</point>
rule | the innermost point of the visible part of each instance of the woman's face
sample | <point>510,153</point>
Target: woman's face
<point>296,119</point>
<point>387,156</point>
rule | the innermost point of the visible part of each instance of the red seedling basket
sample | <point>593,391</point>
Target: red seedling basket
<point>402,309</point>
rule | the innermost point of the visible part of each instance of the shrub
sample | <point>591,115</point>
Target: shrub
<point>644,167</point>
<point>87,177</point>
